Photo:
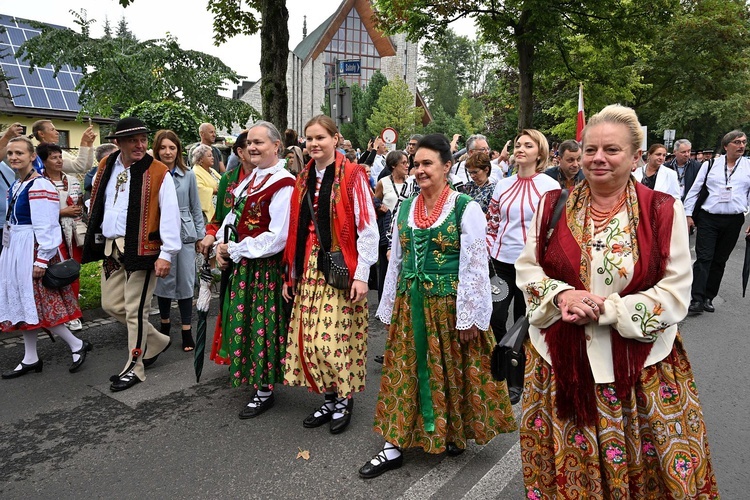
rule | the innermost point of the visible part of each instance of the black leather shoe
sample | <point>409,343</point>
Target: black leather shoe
<point>368,471</point>
<point>453,450</point>
<point>124,382</point>
<point>150,361</point>
<point>36,367</point>
<point>339,425</point>
<point>515,394</point>
<point>261,406</point>
<point>379,359</point>
<point>695,308</point>
<point>708,306</point>
<point>81,356</point>
<point>311,421</point>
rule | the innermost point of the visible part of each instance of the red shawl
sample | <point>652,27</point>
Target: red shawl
<point>348,179</point>
<point>566,341</point>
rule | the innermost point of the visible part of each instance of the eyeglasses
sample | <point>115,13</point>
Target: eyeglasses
<point>473,172</point>
<point>413,144</point>
<point>484,150</point>
<point>739,142</point>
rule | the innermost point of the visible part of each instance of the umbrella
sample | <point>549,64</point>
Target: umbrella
<point>202,305</point>
<point>223,285</point>
<point>746,267</point>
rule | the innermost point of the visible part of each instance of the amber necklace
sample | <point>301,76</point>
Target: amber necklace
<point>421,218</point>
<point>601,218</point>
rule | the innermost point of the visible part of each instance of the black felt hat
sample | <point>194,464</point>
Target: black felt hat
<point>127,127</point>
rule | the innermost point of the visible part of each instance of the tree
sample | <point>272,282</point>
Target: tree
<point>363,107</point>
<point>122,72</point>
<point>520,28</point>
<point>395,108</point>
<point>248,17</point>
<point>170,115</point>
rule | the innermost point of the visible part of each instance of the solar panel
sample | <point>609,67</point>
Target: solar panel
<point>39,89</point>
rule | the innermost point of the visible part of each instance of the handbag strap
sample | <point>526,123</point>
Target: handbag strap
<point>314,219</point>
<point>708,171</point>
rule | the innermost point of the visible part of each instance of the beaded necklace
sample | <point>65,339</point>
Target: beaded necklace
<point>421,218</point>
<point>601,218</point>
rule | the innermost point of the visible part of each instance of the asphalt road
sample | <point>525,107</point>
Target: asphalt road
<point>66,435</point>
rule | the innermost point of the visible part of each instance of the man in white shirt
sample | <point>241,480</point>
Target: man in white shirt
<point>719,219</point>
<point>475,144</point>
<point>134,226</point>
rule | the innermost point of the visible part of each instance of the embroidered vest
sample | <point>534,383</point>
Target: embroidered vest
<point>142,240</point>
<point>255,209</point>
<point>431,255</point>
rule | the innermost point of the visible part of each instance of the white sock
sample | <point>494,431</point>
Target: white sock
<point>390,451</point>
<point>341,405</point>
<point>73,342</point>
<point>260,397</point>
<point>330,402</point>
<point>30,355</point>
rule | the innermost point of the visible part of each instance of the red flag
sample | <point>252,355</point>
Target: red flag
<point>581,117</point>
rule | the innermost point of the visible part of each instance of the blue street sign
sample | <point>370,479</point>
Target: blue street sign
<point>350,67</point>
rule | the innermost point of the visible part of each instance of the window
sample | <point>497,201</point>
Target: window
<point>352,41</point>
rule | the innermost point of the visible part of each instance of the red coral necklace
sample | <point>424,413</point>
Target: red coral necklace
<point>421,218</point>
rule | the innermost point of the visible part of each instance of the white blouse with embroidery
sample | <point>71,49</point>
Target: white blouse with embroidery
<point>473,297</point>
<point>648,316</point>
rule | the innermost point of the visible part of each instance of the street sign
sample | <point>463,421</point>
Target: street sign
<point>350,67</point>
<point>389,135</point>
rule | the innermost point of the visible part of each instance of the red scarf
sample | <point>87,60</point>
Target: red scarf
<point>566,341</point>
<point>349,178</point>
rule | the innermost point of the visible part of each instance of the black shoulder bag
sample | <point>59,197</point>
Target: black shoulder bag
<point>509,351</point>
<point>703,194</point>
<point>333,265</point>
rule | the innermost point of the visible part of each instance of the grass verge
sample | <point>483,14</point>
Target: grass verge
<point>91,292</point>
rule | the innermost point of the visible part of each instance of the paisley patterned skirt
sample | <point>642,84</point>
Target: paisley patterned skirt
<point>327,346</point>
<point>652,445</point>
<point>254,327</point>
<point>467,402</point>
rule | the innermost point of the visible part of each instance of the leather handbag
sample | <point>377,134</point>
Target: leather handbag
<point>703,194</point>
<point>61,274</point>
<point>332,265</point>
<point>508,353</point>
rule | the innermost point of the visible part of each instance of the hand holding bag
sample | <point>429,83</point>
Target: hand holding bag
<point>332,266</point>
<point>508,353</point>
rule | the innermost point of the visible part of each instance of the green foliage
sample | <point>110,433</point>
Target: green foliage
<point>443,123</point>
<point>395,108</point>
<point>91,292</point>
<point>170,115</point>
<point>363,103</point>
<point>120,72</point>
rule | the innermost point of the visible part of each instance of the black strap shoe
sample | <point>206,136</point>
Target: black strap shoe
<point>81,356</point>
<point>312,421</point>
<point>150,361</point>
<point>124,382</point>
<point>24,369</point>
<point>453,450</point>
<point>708,306</point>
<point>260,404</point>
<point>370,470</point>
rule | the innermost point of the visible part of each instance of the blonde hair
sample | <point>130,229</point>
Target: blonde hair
<point>621,115</point>
<point>541,142</point>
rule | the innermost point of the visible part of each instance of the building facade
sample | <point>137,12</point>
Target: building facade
<point>348,34</point>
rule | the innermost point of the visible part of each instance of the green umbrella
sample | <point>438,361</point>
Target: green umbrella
<point>202,305</point>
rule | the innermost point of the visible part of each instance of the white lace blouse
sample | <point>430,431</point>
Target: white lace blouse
<point>473,297</point>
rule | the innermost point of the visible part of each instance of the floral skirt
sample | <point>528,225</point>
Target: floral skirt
<point>254,327</point>
<point>467,402</point>
<point>652,445</point>
<point>327,346</point>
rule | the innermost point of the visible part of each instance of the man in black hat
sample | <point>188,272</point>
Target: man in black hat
<point>134,226</point>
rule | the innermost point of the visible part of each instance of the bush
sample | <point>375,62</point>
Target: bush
<point>91,292</point>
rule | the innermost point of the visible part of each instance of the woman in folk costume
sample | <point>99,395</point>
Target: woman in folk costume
<point>327,346</point>
<point>71,208</point>
<point>31,240</point>
<point>437,391</point>
<point>610,406</point>
<point>253,335</point>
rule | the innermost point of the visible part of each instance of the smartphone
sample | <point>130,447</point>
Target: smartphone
<point>23,129</point>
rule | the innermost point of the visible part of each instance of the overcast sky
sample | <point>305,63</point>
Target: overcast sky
<point>192,25</point>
